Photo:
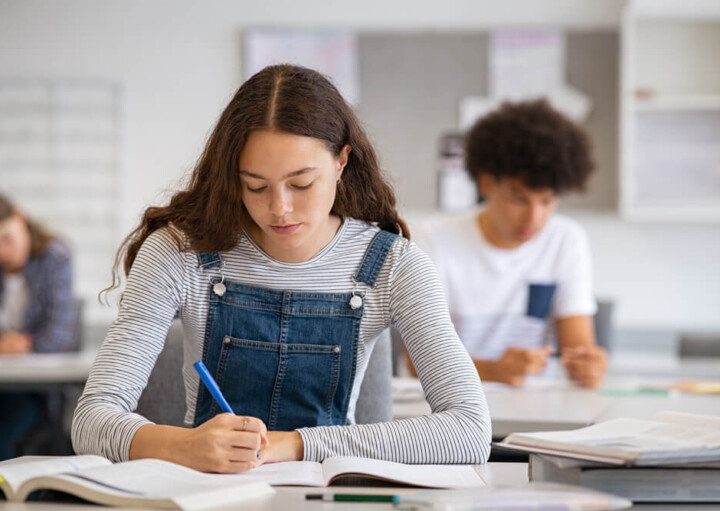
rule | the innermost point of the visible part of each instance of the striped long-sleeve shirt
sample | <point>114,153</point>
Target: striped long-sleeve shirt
<point>165,279</point>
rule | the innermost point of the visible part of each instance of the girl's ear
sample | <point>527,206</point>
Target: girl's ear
<point>343,157</point>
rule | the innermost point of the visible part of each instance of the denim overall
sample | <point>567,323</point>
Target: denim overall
<point>286,357</point>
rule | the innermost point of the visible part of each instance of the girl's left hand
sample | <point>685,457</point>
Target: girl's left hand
<point>282,446</point>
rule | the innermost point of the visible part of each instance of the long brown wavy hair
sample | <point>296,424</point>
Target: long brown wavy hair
<point>286,98</point>
<point>40,238</point>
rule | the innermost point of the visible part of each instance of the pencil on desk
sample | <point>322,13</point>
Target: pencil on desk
<point>348,497</point>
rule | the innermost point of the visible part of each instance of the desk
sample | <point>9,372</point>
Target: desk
<point>293,498</point>
<point>552,402</point>
<point>38,371</point>
<point>60,377</point>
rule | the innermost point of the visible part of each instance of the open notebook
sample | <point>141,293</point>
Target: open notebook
<point>670,438</point>
<point>310,473</point>
<point>145,483</point>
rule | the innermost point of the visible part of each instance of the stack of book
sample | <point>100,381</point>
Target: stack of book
<point>674,457</point>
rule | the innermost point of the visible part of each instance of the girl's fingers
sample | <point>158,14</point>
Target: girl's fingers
<point>247,423</point>
<point>246,440</point>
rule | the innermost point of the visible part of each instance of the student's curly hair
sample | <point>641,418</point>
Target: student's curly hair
<point>531,141</point>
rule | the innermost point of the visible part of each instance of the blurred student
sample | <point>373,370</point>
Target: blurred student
<point>36,311</point>
<point>515,273</point>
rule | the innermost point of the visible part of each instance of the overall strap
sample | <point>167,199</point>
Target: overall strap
<point>374,257</point>
<point>209,260</point>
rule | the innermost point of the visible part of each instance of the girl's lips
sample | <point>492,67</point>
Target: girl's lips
<point>285,229</point>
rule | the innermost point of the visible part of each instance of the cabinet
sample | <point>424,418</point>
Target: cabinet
<point>670,111</point>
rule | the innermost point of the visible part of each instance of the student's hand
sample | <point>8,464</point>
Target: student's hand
<point>225,444</point>
<point>15,343</point>
<point>516,363</point>
<point>283,446</point>
<point>585,365</point>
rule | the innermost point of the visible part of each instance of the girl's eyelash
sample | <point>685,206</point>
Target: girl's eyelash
<point>263,188</point>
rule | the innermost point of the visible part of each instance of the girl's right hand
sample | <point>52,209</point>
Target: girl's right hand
<point>225,444</point>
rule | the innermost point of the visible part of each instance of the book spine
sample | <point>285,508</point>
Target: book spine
<point>542,469</point>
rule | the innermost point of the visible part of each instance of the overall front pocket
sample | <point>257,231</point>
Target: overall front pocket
<point>287,386</point>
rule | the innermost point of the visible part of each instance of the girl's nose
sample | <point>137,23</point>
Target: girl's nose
<point>280,203</point>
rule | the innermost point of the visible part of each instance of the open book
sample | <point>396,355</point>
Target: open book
<point>670,438</point>
<point>140,483</point>
<point>310,473</point>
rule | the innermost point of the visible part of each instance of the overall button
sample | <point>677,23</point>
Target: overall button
<point>219,289</point>
<point>356,302</point>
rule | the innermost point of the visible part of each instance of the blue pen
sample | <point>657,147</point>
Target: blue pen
<point>212,386</point>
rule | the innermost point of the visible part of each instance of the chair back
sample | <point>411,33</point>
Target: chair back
<point>604,325</point>
<point>163,400</point>
<point>374,402</point>
<point>699,345</point>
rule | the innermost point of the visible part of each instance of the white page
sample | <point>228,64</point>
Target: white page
<point>16,473</point>
<point>688,419</point>
<point>151,478</point>
<point>632,436</point>
<point>151,482</point>
<point>432,476</point>
<point>286,473</point>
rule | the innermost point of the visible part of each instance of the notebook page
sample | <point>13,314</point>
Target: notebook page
<point>430,476</point>
<point>16,473</point>
<point>286,473</point>
<point>151,478</point>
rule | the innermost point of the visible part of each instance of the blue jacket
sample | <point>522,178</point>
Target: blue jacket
<point>51,316</point>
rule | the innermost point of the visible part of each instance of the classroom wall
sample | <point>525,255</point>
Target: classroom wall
<point>400,71</point>
<point>179,61</point>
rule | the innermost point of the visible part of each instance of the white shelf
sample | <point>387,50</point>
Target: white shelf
<point>670,138</point>
<point>669,102</point>
<point>697,10</point>
<point>673,214</point>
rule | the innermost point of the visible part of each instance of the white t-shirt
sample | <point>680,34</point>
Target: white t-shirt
<point>500,298</point>
<point>14,302</point>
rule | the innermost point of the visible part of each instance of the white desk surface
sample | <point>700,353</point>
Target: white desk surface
<point>40,368</point>
<point>545,403</point>
<point>551,402</point>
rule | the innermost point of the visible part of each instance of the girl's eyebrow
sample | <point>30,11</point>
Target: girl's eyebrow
<point>291,174</point>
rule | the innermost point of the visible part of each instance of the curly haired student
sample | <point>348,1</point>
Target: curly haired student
<point>284,258</point>
<point>514,272</point>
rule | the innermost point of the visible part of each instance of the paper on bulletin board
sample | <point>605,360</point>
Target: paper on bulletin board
<point>526,63</point>
<point>334,53</point>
